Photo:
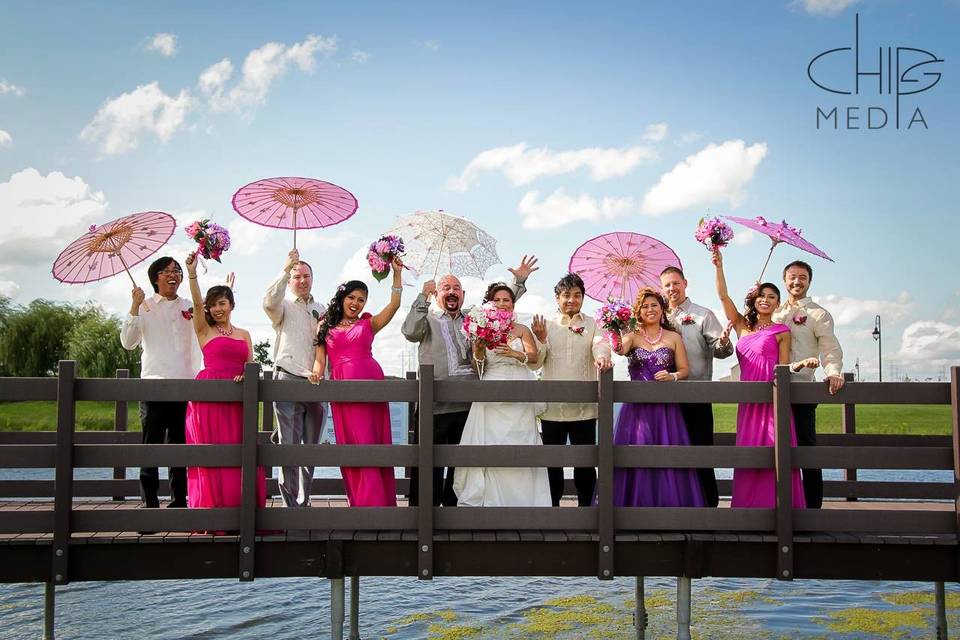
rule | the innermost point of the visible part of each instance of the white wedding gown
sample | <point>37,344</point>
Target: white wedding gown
<point>502,423</point>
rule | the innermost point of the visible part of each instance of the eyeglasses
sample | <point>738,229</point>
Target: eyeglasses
<point>171,272</point>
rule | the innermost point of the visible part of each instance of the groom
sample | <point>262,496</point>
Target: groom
<point>812,336</point>
<point>442,343</point>
<point>570,347</point>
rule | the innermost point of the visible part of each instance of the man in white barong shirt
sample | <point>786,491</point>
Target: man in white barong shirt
<point>163,326</point>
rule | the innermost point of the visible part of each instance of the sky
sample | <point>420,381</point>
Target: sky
<point>544,123</point>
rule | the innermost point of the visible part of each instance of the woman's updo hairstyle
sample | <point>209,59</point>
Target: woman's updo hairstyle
<point>498,286</point>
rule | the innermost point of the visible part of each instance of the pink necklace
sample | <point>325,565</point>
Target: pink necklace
<point>224,332</point>
<point>655,340</point>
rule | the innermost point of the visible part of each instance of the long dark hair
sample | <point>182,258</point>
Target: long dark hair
<point>334,312</point>
<point>214,294</point>
<point>649,292</point>
<point>750,311</point>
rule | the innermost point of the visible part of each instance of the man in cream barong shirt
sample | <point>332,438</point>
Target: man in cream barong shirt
<point>812,337</point>
<point>294,313</point>
<point>570,348</point>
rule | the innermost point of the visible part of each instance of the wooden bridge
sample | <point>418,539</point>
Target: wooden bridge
<point>67,529</point>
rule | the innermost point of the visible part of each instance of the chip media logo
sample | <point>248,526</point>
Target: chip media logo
<point>890,76</point>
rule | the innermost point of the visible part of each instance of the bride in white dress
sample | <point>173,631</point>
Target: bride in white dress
<point>503,423</point>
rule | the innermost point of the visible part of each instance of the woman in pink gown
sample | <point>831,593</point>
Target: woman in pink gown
<point>345,338</point>
<point>226,349</point>
<point>762,345</point>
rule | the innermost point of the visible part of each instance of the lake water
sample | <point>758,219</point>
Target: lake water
<point>404,608</point>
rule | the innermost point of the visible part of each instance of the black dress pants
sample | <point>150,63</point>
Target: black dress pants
<point>163,423</point>
<point>447,429</point>
<point>584,478</point>
<point>699,420</point>
<point>805,421</point>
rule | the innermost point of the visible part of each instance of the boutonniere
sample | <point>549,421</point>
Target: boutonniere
<point>687,319</point>
<point>576,330</point>
<point>800,319</point>
<point>187,314</point>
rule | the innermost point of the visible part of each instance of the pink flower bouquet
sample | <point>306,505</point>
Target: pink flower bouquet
<point>212,239</point>
<point>713,233</point>
<point>614,318</point>
<point>488,324</point>
<point>381,254</point>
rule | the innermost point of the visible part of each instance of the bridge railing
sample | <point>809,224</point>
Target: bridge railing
<point>604,523</point>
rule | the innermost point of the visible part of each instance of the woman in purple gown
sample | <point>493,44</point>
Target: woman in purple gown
<point>345,338</point>
<point>761,346</point>
<point>226,349</point>
<point>656,354</point>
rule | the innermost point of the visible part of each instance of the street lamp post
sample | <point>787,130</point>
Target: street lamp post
<point>877,336</point>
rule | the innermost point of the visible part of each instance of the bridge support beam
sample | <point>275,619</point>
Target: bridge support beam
<point>683,608</point>
<point>354,608</point>
<point>941,603</point>
<point>640,611</point>
<point>336,608</point>
<point>49,598</point>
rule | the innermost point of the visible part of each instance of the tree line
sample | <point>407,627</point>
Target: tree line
<point>35,337</point>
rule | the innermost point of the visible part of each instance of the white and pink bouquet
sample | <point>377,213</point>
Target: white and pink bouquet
<point>713,233</point>
<point>381,254</point>
<point>615,317</point>
<point>212,239</point>
<point>488,324</point>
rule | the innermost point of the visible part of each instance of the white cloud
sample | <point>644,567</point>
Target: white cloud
<point>743,236</point>
<point>715,174</point>
<point>261,67</point>
<point>559,209</point>
<point>214,77</point>
<point>848,312</point>
<point>824,7</point>
<point>119,124</point>
<point>522,165</point>
<point>9,288</point>
<point>6,87</point>
<point>688,137</point>
<point>933,344</point>
<point>163,43</point>
<point>360,57</point>
<point>655,132</point>
<point>6,140</point>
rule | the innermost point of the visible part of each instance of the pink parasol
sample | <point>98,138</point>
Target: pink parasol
<point>114,247</point>
<point>294,203</point>
<point>618,264</point>
<point>778,232</point>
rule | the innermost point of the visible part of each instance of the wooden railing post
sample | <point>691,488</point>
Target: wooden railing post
<point>120,424</point>
<point>784,471</point>
<point>267,421</point>
<point>411,425</point>
<point>248,466</point>
<point>425,465</point>
<point>63,483</point>
<point>849,421</point>
<point>955,413</point>
<point>605,530</point>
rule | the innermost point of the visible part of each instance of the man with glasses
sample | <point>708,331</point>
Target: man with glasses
<point>163,327</point>
<point>294,314</point>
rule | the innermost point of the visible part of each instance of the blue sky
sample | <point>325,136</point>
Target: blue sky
<point>547,123</point>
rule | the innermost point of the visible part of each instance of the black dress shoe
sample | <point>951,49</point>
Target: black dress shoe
<point>151,503</point>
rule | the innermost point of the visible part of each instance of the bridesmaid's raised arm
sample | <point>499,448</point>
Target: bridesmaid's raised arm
<point>729,308</point>
<point>200,326</point>
<point>386,314</point>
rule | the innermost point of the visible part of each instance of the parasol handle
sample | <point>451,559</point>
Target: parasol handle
<point>132,281</point>
<point>443,238</point>
<point>623,286</point>
<point>773,245</point>
<point>294,227</point>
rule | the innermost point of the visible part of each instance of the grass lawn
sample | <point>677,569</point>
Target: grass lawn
<point>911,419</point>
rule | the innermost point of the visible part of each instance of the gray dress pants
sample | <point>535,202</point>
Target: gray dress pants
<point>299,423</point>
